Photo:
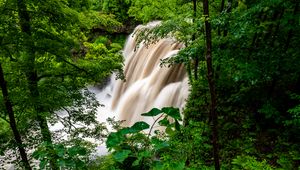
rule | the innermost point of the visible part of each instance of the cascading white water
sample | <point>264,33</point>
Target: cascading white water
<point>147,84</point>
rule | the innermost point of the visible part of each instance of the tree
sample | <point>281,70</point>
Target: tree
<point>32,76</point>
<point>210,77</point>
<point>12,121</point>
<point>49,55</point>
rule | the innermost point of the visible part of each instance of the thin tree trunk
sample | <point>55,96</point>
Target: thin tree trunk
<point>32,78</point>
<point>196,65</point>
<point>12,121</point>
<point>211,83</point>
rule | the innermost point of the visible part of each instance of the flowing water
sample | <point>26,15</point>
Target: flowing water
<point>147,84</point>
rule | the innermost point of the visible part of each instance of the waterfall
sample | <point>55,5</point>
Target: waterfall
<point>147,84</point>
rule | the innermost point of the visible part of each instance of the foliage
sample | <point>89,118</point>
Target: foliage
<point>250,163</point>
<point>133,149</point>
<point>47,65</point>
<point>74,157</point>
<point>255,58</point>
<point>102,163</point>
<point>156,10</point>
<point>106,56</point>
<point>118,8</point>
<point>295,113</point>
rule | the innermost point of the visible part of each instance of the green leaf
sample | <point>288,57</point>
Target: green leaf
<point>172,112</point>
<point>137,127</point>
<point>114,139</point>
<point>121,155</point>
<point>152,112</point>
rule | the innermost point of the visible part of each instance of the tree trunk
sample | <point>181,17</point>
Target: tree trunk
<point>194,38</point>
<point>12,121</point>
<point>211,83</point>
<point>32,79</point>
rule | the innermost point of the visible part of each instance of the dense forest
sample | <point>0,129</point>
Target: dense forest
<point>241,57</point>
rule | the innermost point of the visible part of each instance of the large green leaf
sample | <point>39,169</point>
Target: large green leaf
<point>137,127</point>
<point>152,112</point>
<point>140,126</point>
<point>114,139</point>
<point>172,112</point>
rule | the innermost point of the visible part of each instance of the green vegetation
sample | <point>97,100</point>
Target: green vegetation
<point>47,61</point>
<point>242,58</point>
